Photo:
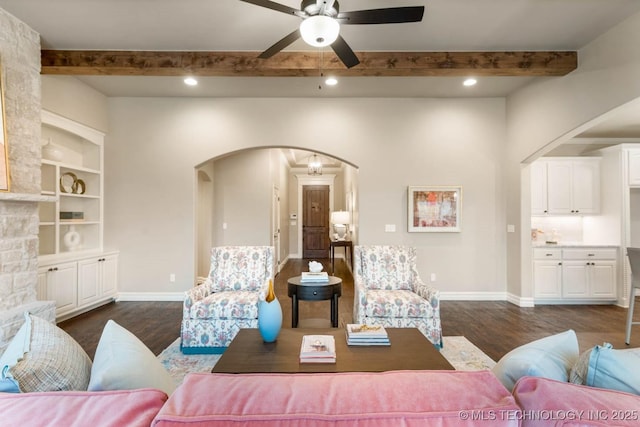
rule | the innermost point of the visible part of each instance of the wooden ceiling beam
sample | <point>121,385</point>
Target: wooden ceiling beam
<point>301,64</point>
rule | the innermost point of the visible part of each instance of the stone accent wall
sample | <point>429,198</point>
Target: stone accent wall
<point>20,62</point>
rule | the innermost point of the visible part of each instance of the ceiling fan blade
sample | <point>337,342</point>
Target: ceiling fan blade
<point>277,6</point>
<point>344,52</point>
<point>391,15</point>
<point>278,46</point>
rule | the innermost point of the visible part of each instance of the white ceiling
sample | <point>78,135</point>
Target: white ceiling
<point>232,25</point>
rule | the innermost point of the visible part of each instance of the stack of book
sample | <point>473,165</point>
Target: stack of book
<point>318,349</point>
<point>366,335</point>
<point>308,277</point>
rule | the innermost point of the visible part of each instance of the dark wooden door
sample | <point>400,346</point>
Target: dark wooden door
<point>315,221</point>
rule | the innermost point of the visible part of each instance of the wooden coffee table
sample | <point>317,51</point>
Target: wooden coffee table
<point>409,350</point>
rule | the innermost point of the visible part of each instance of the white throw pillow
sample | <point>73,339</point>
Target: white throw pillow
<point>551,357</point>
<point>123,362</point>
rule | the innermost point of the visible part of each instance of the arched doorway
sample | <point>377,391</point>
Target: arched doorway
<point>239,206</point>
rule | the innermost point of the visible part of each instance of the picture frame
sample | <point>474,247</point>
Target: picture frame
<point>434,209</point>
<point>4,144</point>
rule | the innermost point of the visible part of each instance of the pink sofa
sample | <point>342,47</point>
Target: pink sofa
<point>131,408</point>
<point>547,403</point>
<point>409,398</point>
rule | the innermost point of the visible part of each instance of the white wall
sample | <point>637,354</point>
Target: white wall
<point>70,98</point>
<point>549,112</point>
<point>154,144</point>
<point>242,199</point>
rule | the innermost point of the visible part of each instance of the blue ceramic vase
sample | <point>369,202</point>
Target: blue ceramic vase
<point>269,316</point>
<point>269,319</point>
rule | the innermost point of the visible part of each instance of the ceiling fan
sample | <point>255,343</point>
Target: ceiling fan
<point>321,21</point>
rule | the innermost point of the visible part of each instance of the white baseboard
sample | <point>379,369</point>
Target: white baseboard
<point>486,296</point>
<point>150,296</point>
<point>521,301</point>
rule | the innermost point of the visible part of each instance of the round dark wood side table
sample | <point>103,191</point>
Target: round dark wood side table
<point>331,290</point>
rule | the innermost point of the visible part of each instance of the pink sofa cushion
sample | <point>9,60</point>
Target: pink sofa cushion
<point>547,402</point>
<point>409,398</point>
<point>81,408</point>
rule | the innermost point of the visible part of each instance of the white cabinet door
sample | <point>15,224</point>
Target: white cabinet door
<point>62,285</point>
<point>634,167</point>
<point>89,281</point>
<point>109,275</point>
<point>575,279</point>
<point>585,181</point>
<point>565,187</point>
<point>603,279</point>
<point>559,183</point>
<point>547,279</point>
<point>97,278</point>
<point>538,188</point>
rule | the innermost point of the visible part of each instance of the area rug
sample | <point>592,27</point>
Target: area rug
<point>459,351</point>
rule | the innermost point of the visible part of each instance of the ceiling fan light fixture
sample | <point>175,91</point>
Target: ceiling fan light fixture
<point>319,30</point>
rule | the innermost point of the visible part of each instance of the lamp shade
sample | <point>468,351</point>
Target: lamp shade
<point>340,217</point>
<point>319,30</point>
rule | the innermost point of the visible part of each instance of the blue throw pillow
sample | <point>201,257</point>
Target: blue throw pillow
<point>614,369</point>
<point>551,357</point>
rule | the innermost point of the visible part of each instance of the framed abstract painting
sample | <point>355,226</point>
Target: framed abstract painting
<point>434,209</point>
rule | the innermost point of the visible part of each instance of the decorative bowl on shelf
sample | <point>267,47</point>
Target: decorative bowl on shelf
<point>315,267</point>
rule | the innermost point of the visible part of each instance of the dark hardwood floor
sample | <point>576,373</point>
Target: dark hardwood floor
<point>495,327</point>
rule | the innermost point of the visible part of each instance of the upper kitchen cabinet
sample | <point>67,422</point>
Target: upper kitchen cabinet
<point>565,186</point>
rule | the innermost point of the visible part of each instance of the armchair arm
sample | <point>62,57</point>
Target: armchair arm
<point>425,291</point>
<point>359,299</point>
<point>194,295</point>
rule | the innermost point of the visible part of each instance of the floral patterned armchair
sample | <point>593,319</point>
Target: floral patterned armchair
<point>214,311</point>
<point>389,292</point>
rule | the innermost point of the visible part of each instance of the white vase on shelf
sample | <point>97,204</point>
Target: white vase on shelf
<point>51,152</point>
<point>72,239</point>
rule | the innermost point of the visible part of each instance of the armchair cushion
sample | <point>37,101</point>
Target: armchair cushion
<point>226,305</point>
<point>400,303</point>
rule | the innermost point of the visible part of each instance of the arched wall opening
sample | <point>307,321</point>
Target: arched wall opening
<point>252,197</point>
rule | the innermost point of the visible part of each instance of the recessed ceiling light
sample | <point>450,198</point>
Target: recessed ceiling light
<point>190,81</point>
<point>331,81</point>
<point>470,82</point>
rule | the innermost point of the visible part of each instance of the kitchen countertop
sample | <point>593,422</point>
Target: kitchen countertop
<point>570,245</point>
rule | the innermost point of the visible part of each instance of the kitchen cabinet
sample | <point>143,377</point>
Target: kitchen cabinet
<point>634,167</point>
<point>575,274</point>
<point>565,186</point>
<point>547,273</point>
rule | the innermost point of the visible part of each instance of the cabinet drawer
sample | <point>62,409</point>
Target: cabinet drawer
<point>589,253</point>
<point>547,253</point>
